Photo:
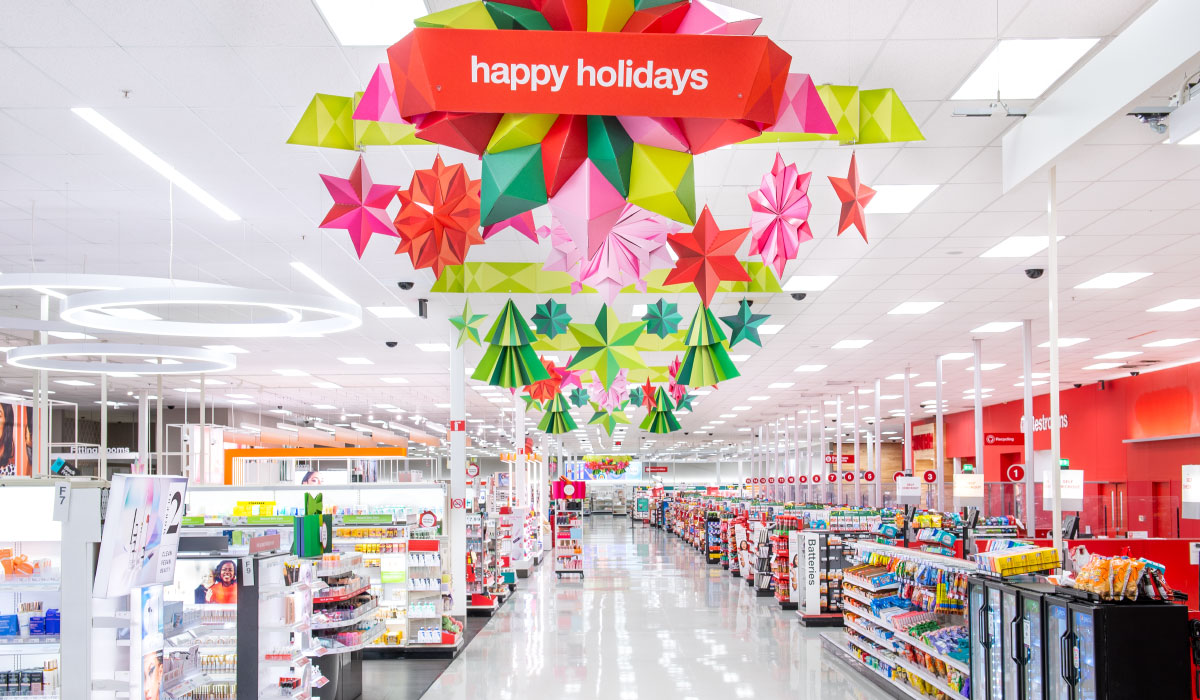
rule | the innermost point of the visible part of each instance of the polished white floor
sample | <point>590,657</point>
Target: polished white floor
<point>649,621</point>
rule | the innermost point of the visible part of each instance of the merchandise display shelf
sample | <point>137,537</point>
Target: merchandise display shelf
<point>19,646</point>
<point>374,633</point>
<point>858,610</point>
<point>900,685</point>
<point>19,585</point>
<point>867,585</point>
<point>888,645</point>
<point>930,678</point>
<point>186,685</point>
<point>361,613</point>
<point>867,646</point>
<point>855,595</point>
<point>340,596</point>
<point>949,661</point>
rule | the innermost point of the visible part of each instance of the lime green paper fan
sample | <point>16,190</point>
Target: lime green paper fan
<point>705,365</point>
<point>704,329</point>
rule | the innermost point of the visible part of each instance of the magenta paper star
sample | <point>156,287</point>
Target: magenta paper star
<point>779,215</point>
<point>569,377</point>
<point>855,196</point>
<point>521,223</point>
<point>676,391</point>
<point>359,206</point>
<point>611,398</point>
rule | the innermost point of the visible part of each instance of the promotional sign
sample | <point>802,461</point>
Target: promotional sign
<point>1191,491</point>
<point>1013,472</point>
<point>846,459</point>
<point>811,554</point>
<point>141,533</point>
<point>146,642</point>
<point>16,440</point>
<point>1004,438</point>
<point>908,490</point>
<point>472,470</point>
<point>711,490</point>
<point>1071,481</point>
<point>642,505</point>
<point>613,73</point>
<point>968,490</point>
<point>656,470</point>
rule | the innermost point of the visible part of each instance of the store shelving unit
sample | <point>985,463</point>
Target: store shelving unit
<point>568,545</point>
<point>481,569</point>
<point>344,621</point>
<point>763,578</point>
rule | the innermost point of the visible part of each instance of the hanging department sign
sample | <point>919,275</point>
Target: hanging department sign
<point>604,73</point>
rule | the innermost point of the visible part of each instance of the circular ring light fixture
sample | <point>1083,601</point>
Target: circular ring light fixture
<point>71,282</point>
<point>57,358</point>
<point>89,309</point>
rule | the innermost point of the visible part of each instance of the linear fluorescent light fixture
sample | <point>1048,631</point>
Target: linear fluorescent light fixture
<point>1022,69</point>
<point>958,356</point>
<point>808,283</point>
<point>398,380</point>
<point>899,199</point>
<point>1018,247</point>
<point>1064,342</point>
<point>986,366</point>
<point>851,344</point>
<point>1117,355</point>
<point>1112,280</point>
<point>997,327</point>
<point>370,22</point>
<point>914,308</point>
<point>1104,365</point>
<point>320,281</point>
<point>1176,306</point>
<point>1170,342</point>
<point>159,165</point>
<point>899,376</point>
<point>391,312</point>
<point>810,368</point>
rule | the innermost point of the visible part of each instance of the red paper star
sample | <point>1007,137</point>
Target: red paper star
<point>707,256</point>
<point>546,388</point>
<point>648,396</point>
<point>855,196</point>
<point>359,206</point>
<point>439,217</point>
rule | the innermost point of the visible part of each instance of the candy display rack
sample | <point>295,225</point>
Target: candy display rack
<point>568,544</point>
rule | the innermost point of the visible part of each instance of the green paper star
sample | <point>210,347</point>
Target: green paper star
<point>662,318</point>
<point>636,397</point>
<point>465,323</point>
<point>744,325</point>
<point>551,319</point>
<point>579,398</point>
<point>685,403</point>
<point>607,419</point>
<point>530,402</point>
<point>607,345</point>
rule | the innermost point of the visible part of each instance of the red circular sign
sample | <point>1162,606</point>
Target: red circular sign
<point>770,479</point>
<point>848,476</point>
<point>868,476</point>
<point>803,479</point>
<point>1015,472</point>
<point>427,519</point>
<point>791,479</point>
<point>816,478</point>
<point>749,480</point>
<point>472,470</point>
<point>897,475</point>
<point>930,476</point>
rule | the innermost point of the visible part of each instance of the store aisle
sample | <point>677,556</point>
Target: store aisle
<point>649,621</point>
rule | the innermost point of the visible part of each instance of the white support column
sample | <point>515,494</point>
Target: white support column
<point>1055,429</point>
<point>808,492</point>
<point>142,465</point>
<point>202,433</point>
<point>939,444</point>
<point>41,405</point>
<point>857,485</point>
<point>520,478</point>
<point>103,424</point>
<point>978,374</point>
<point>458,479</point>
<point>1027,423</point>
<point>908,454</point>
<point>837,461</point>
<point>878,450</point>
<point>160,466</point>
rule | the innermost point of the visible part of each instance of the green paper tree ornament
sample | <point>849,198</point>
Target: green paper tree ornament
<point>551,319</point>
<point>607,346</point>
<point>744,325</point>
<point>661,420</point>
<point>512,183</point>
<point>557,419</point>
<point>579,398</point>
<point>662,318</point>
<point>706,361</point>
<point>510,360</point>
<point>465,323</point>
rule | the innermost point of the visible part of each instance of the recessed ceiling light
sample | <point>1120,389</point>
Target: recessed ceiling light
<point>997,327</point>
<point>227,349</point>
<point>717,422</point>
<point>743,430</point>
<point>851,344</point>
<point>1169,342</point>
<point>241,402</point>
<point>391,312</point>
<point>73,382</point>
<point>238,396</point>
<point>986,366</point>
<point>923,385</point>
<point>638,311</point>
<point>739,358</point>
<point>1036,375</point>
<point>893,397</point>
<point>384,405</point>
<point>808,283</point>
<point>1018,247</point>
<point>370,22</point>
<point>1104,365</point>
<point>290,372</point>
<point>157,164</point>
<point>433,347</point>
<point>781,385</point>
<point>355,361</point>
<point>729,415</point>
<point>1118,355</point>
<point>326,385</point>
<point>498,400</point>
<point>770,328</point>
<point>914,308</point>
<point>810,368</point>
<point>1112,280</point>
<point>702,392</point>
<point>1065,342</point>
<point>1038,382</point>
<point>324,406</point>
<point>899,376</point>
<point>982,391</point>
<point>70,335</point>
<point>759,398</point>
<point>188,390</point>
<point>442,405</point>
<point>1022,69</point>
<point>207,381</point>
<point>1177,305</point>
<point>740,408</point>
<point>958,356</point>
<point>899,199</point>
<point>393,380</point>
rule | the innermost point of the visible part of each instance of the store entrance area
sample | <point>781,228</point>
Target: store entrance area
<point>650,620</point>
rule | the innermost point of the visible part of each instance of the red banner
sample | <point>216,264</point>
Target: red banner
<point>616,73</point>
<point>924,441</point>
<point>458,426</point>
<point>832,459</point>
<point>656,470</point>
<point>1004,438</point>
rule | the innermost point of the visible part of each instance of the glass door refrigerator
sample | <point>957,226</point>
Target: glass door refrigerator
<point>1007,647</point>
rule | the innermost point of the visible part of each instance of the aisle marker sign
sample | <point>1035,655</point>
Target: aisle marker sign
<point>1191,491</point>
<point>458,426</point>
<point>930,476</point>
<point>868,476</point>
<point>1014,472</point>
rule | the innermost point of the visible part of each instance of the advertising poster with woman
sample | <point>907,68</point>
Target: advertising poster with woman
<point>16,440</point>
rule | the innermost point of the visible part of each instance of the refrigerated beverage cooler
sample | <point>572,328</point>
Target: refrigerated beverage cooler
<point>1037,642</point>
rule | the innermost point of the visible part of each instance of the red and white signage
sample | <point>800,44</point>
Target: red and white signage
<point>770,479</point>
<point>898,475</point>
<point>791,479</point>
<point>749,480</point>
<point>458,426</point>
<point>868,476</point>
<point>848,476</point>
<point>930,476</point>
<point>472,470</point>
<point>458,503</point>
<point>803,479</point>
<point>1014,472</point>
<point>1004,438</point>
<point>832,459</point>
<point>656,470</point>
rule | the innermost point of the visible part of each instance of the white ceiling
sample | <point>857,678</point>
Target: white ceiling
<point>215,87</point>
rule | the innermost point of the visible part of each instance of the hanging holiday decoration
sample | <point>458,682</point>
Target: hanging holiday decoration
<point>359,206</point>
<point>856,116</point>
<point>545,389</point>
<point>707,256</point>
<point>635,396</point>
<point>648,398</point>
<point>706,361</point>
<point>557,419</point>
<point>608,419</point>
<point>521,223</point>
<point>509,361</point>
<point>661,418</point>
<point>612,395</point>
<point>779,215</point>
<point>674,389</point>
<point>685,403</point>
<point>607,346</point>
<point>439,217</point>
<point>551,319</point>
<point>568,377</point>
<point>744,325</point>
<point>662,318</point>
<point>531,402</point>
<point>579,398</point>
<point>465,323</point>
<point>854,197</point>
<point>327,123</point>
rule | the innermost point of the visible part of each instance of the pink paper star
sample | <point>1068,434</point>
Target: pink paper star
<point>779,213</point>
<point>855,196</point>
<point>611,398</point>
<point>359,206</point>
<point>521,223</point>
<point>569,377</point>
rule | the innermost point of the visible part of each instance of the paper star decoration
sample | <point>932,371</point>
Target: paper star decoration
<point>545,389</point>
<point>744,325</point>
<point>662,318</point>
<point>465,323</point>
<point>675,390</point>
<point>551,319</point>
<point>635,396</point>
<point>568,377</point>
<point>521,223</point>
<point>607,419</point>
<point>531,402</point>
<point>612,396</point>
<point>439,217</point>
<point>579,398</point>
<point>359,206</point>
<point>685,403</point>
<point>779,215</point>
<point>707,257</point>
<point>648,395</point>
<point>854,196</point>
<point>607,345</point>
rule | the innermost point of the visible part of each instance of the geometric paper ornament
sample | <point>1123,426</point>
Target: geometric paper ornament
<point>661,420</point>
<point>706,361</point>
<point>663,181</point>
<point>327,122</point>
<point>512,183</point>
<point>509,360</point>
